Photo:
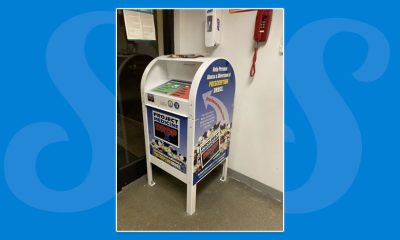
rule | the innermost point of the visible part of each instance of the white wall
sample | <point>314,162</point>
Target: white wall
<point>257,137</point>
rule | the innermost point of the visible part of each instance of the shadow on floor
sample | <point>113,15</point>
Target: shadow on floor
<point>220,206</point>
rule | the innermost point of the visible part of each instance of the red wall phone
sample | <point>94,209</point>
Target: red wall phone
<point>261,33</point>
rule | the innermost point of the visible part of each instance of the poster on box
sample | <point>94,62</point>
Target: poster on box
<point>168,137</point>
<point>214,112</point>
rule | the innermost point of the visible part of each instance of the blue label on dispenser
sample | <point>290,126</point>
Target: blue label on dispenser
<point>214,111</point>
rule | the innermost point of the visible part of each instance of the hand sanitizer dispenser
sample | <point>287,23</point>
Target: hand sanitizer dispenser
<point>213,28</point>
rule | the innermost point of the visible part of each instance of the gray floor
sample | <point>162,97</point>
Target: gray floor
<point>220,206</point>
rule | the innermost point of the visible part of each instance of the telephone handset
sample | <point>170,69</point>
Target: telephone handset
<point>263,24</point>
<point>261,33</point>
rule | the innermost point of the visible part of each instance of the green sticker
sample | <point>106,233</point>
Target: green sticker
<point>169,87</point>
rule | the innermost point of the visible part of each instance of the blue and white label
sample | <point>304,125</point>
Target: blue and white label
<point>168,137</point>
<point>214,110</point>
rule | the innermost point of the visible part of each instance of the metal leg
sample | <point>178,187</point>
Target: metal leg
<point>149,173</point>
<point>225,171</point>
<point>191,199</point>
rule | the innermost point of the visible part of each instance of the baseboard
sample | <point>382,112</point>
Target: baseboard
<point>256,185</point>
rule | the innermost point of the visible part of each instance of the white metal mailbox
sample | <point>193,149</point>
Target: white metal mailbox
<point>187,114</point>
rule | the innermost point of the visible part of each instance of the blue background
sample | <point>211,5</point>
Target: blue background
<point>57,135</point>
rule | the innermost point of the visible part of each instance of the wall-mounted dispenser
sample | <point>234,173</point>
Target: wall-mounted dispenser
<point>213,28</point>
